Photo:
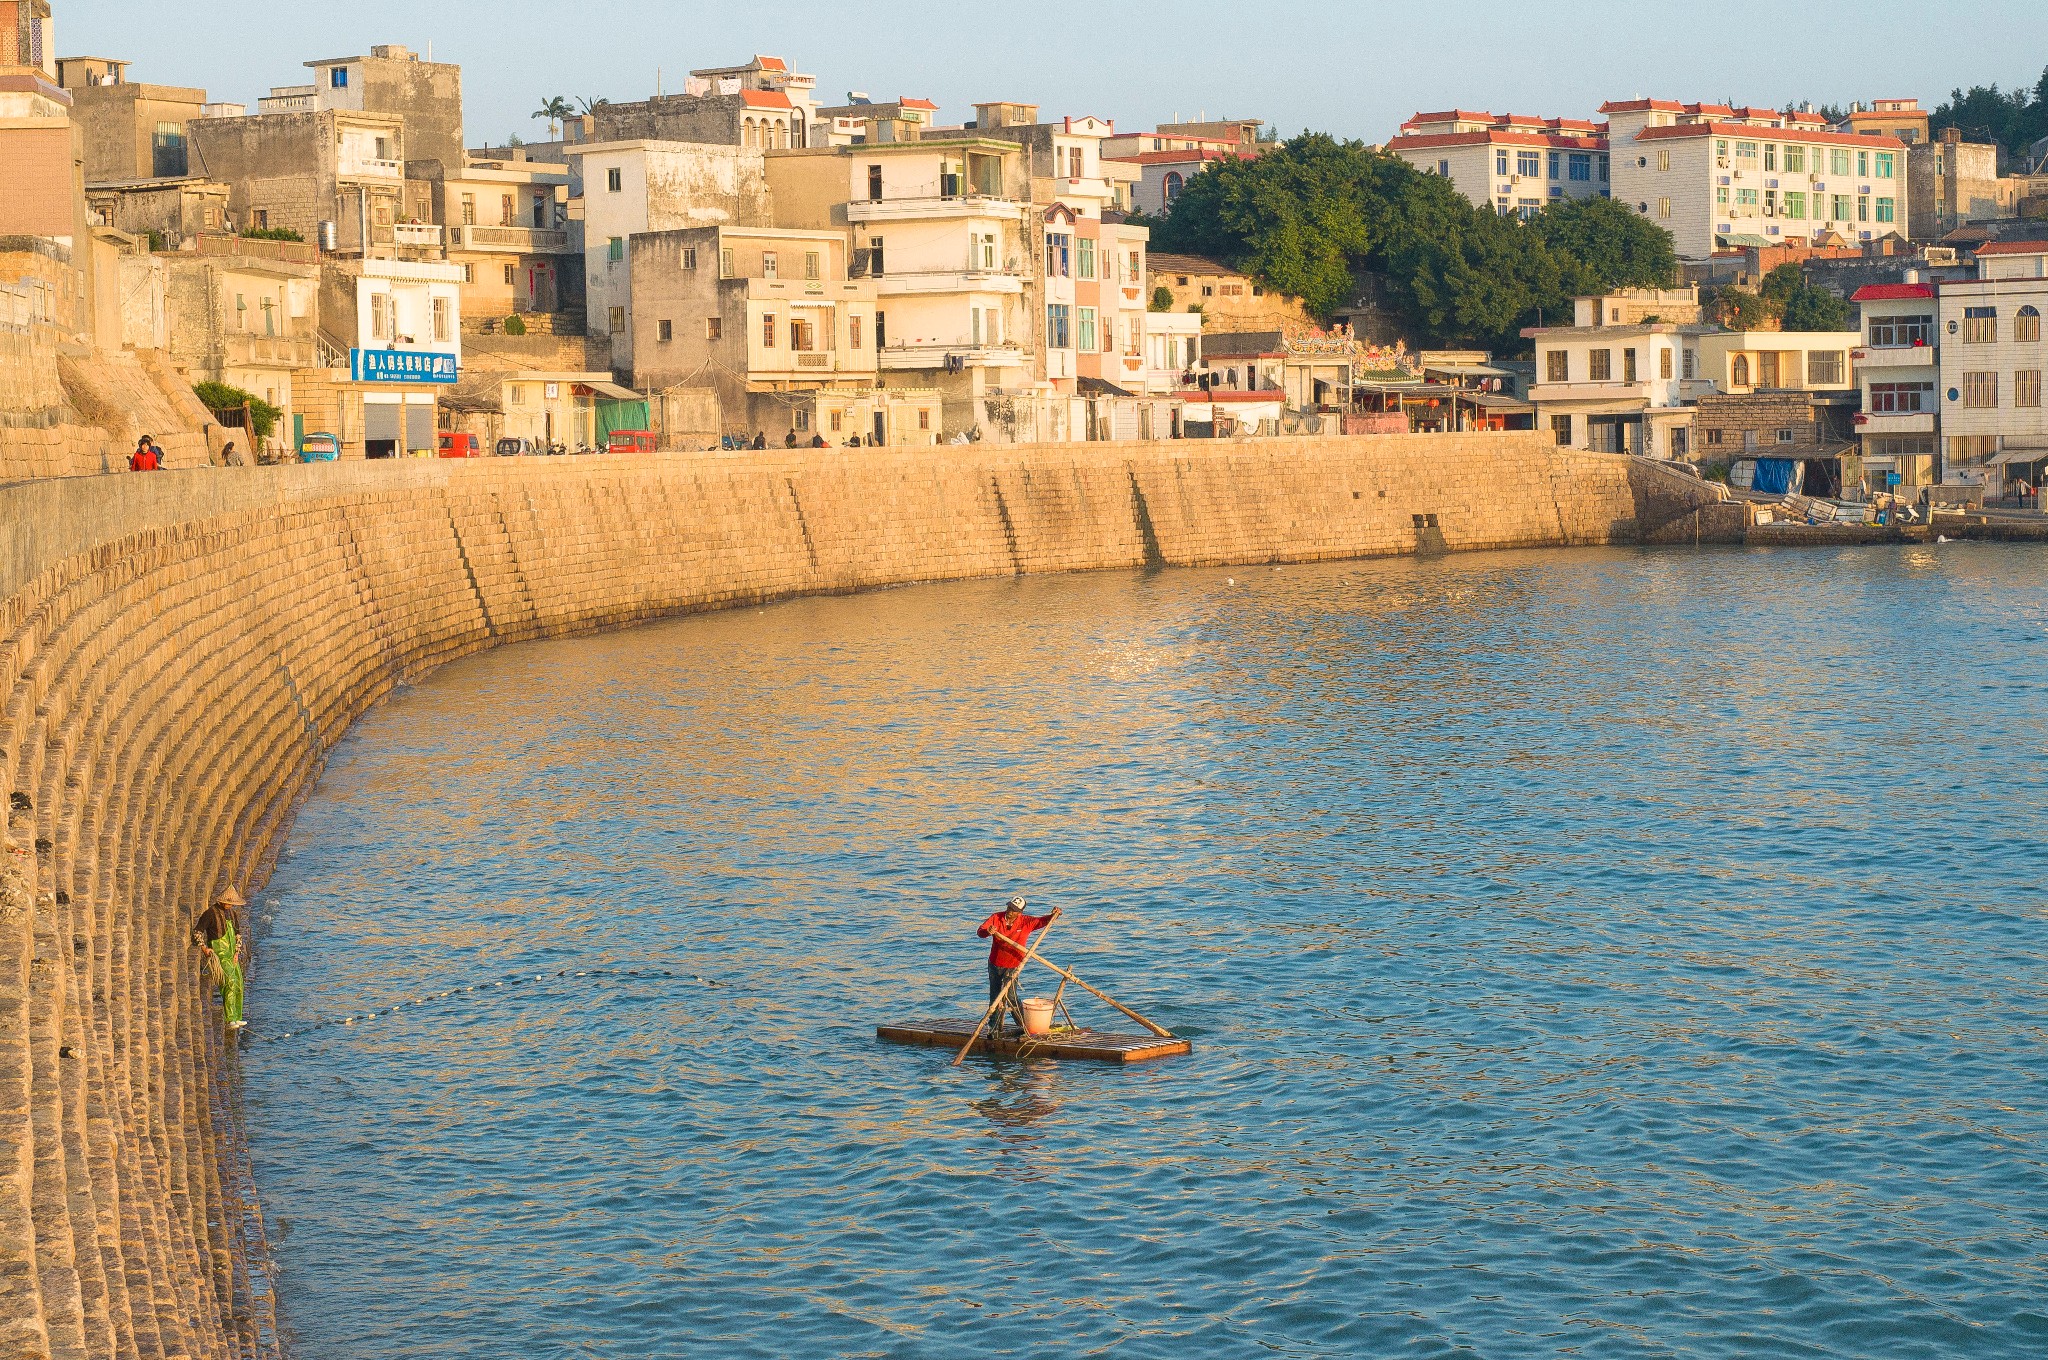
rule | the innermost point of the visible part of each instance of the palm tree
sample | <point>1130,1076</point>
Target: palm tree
<point>590,105</point>
<point>554,108</point>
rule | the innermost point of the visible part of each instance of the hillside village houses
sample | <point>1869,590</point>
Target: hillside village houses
<point>742,257</point>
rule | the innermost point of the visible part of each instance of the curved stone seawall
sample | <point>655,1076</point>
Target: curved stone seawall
<point>179,650</point>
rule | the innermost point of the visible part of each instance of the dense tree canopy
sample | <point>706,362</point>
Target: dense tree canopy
<point>1784,299</point>
<point>1310,216</point>
<point>2015,119</point>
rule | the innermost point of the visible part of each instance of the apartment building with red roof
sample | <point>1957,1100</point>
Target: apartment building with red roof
<point>1721,177</point>
<point>1508,162</point>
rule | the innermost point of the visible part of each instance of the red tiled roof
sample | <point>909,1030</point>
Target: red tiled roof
<point>1500,122</point>
<point>765,99</point>
<point>1448,116</point>
<point>1750,132</point>
<point>771,63</point>
<point>1891,292</point>
<point>2013,248</point>
<point>1426,141</point>
<point>917,104</point>
<point>1613,106</point>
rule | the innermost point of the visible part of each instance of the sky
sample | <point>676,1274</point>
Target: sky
<point>1354,69</point>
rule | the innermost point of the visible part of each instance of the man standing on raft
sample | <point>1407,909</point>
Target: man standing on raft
<point>1009,932</point>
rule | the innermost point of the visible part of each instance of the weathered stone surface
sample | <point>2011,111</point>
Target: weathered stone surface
<point>179,650</point>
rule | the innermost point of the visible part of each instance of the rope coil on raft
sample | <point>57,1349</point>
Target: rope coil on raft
<point>639,974</point>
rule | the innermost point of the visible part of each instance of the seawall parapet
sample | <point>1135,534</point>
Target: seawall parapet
<point>179,650</point>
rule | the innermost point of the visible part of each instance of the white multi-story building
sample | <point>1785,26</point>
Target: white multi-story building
<point>1617,388</point>
<point>633,187</point>
<point>408,345</point>
<point>1993,426</point>
<point>1898,371</point>
<point>941,227</point>
<point>1507,162</point>
<point>1173,350</point>
<point>1718,177</point>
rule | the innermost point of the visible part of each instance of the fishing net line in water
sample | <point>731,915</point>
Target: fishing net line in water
<point>257,1035</point>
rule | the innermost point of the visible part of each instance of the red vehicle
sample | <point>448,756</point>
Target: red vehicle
<point>454,445</point>
<point>631,441</point>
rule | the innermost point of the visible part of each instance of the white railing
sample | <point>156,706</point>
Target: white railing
<point>526,240</point>
<point>358,164</point>
<point>415,234</point>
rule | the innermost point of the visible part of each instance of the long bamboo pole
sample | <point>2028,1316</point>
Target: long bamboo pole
<point>1161,1031</point>
<point>1031,943</point>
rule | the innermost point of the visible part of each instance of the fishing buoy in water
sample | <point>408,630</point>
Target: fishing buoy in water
<point>1230,580</point>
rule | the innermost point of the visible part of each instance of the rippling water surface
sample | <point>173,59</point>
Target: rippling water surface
<point>1589,953</point>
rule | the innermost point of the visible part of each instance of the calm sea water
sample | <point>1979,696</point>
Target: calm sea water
<point>1587,953</point>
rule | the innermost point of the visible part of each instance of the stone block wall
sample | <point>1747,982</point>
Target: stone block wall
<point>179,651</point>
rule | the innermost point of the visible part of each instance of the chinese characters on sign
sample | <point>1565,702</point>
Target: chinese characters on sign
<point>401,366</point>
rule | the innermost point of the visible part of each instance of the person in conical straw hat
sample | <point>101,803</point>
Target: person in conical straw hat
<point>216,932</point>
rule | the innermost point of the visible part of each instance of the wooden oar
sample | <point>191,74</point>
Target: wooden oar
<point>1101,995</point>
<point>1031,942</point>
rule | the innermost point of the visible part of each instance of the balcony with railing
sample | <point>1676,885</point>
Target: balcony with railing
<point>355,163</point>
<point>1870,423</point>
<point>809,365</point>
<point>950,358</point>
<point>1636,392</point>
<point>934,208</point>
<point>510,240</point>
<point>1895,356</point>
<point>269,351</point>
<point>911,282</point>
<point>289,99</point>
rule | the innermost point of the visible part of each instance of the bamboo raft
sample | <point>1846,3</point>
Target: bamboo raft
<point>1071,1043</point>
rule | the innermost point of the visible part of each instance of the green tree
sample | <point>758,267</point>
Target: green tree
<point>553,110</point>
<point>1290,218</point>
<point>219,397</point>
<point>1604,245</point>
<point>1815,309</point>
<point>1162,299</point>
<point>1780,286</point>
<point>1735,308</point>
<point>1312,215</point>
<point>1984,113</point>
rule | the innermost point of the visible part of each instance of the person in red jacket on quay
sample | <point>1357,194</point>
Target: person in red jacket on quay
<point>1008,933</point>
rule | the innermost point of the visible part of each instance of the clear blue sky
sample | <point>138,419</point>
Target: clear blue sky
<point>1356,69</point>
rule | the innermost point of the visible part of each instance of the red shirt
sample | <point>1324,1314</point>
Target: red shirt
<point>1003,951</point>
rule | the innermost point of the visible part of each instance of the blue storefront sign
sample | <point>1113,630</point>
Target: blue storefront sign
<point>401,366</point>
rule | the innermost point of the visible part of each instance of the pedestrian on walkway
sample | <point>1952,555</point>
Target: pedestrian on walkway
<point>146,458</point>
